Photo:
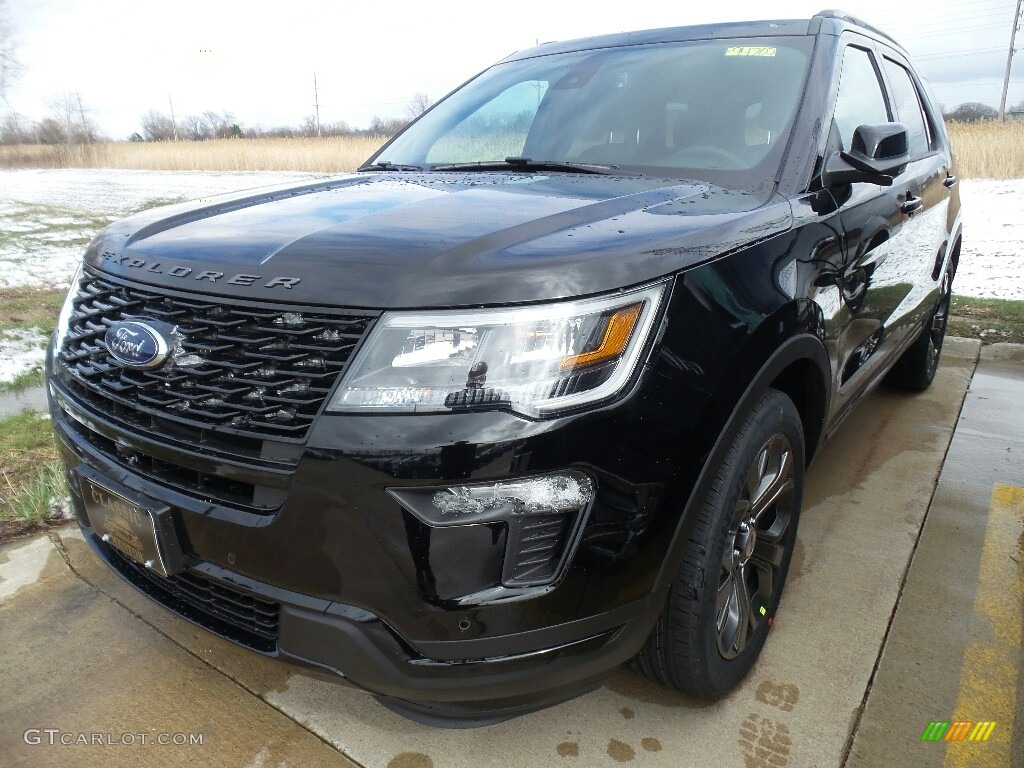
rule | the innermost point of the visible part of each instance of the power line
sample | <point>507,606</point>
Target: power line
<point>957,31</point>
<point>963,9</point>
<point>969,84</point>
<point>959,54</point>
<point>944,56</point>
<point>946,21</point>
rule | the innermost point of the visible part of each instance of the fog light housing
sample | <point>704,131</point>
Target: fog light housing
<point>544,515</point>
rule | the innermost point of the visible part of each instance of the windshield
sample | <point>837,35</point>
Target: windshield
<point>719,110</point>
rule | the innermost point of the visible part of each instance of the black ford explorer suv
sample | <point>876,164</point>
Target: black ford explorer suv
<point>532,393</point>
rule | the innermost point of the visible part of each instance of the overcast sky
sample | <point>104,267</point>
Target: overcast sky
<point>257,59</point>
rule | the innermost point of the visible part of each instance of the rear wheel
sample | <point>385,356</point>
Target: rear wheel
<point>724,598</point>
<point>915,370</point>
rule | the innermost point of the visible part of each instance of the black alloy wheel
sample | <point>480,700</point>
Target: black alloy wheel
<point>754,549</point>
<point>734,559</point>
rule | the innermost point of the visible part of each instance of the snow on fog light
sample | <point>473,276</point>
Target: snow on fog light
<point>558,492</point>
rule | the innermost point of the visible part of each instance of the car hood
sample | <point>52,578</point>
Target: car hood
<point>440,239</point>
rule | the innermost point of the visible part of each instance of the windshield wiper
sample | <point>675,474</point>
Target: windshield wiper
<point>384,165</point>
<point>528,163</point>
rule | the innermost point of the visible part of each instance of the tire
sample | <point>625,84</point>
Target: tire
<point>916,368</point>
<point>704,642</point>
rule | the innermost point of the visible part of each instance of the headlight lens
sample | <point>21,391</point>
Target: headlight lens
<point>64,318</point>
<point>532,360</point>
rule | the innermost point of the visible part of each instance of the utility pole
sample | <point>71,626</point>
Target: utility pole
<point>174,123</point>
<point>1009,61</point>
<point>316,102</point>
<point>81,114</point>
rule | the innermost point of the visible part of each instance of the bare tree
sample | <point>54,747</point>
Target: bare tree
<point>156,126</point>
<point>337,128</point>
<point>10,67</point>
<point>223,125</point>
<point>972,112</point>
<point>68,112</point>
<point>64,112</point>
<point>387,126</point>
<point>194,127</point>
<point>308,126</point>
<point>16,129</point>
<point>49,131</point>
<point>418,104</point>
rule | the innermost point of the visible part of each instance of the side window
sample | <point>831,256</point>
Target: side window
<point>908,107</point>
<point>861,100</point>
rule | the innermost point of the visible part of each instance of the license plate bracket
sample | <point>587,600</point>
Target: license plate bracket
<point>137,526</point>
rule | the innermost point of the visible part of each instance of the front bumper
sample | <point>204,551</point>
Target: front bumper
<point>358,646</point>
<point>331,572</point>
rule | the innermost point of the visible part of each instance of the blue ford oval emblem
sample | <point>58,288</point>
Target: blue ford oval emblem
<point>137,344</point>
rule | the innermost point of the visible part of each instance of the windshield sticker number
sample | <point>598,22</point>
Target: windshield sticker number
<point>747,50</point>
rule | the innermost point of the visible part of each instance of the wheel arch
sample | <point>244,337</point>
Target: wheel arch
<point>799,366</point>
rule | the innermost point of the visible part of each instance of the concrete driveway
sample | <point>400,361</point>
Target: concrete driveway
<point>83,653</point>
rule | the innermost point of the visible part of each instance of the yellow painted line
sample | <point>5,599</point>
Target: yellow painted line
<point>988,677</point>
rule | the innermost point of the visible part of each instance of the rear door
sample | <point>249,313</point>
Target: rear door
<point>923,193</point>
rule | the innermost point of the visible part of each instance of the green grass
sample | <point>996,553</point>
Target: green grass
<point>24,380</point>
<point>27,308</point>
<point>32,503</point>
<point>30,473</point>
<point>990,320</point>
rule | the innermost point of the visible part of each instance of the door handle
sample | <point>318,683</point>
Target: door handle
<point>910,205</point>
<point>949,182</point>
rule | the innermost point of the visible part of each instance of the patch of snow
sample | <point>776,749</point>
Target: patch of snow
<point>555,493</point>
<point>992,255</point>
<point>60,508</point>
<point>42,257</point>
<point>21,351</point>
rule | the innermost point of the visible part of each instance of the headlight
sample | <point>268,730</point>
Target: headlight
<point>64,318</point>
<point>531,360</point>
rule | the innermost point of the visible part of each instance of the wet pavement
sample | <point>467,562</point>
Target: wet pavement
<point>31,399</point>
<point>838,677</point>
<point>954,653</point>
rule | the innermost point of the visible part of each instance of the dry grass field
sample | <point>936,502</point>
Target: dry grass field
<point>985,150</point>
<point>989,150</point>
<point>329,155</point>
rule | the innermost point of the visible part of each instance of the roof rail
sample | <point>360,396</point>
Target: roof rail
<point>849,17</point>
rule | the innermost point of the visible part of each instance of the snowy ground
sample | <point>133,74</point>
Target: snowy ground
<point>47,216</point>
<point>992,255</point>
<point>20,351</point>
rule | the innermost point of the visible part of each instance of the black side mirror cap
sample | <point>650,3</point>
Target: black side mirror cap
<point>878,154</point>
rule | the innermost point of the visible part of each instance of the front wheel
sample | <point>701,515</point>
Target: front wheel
<point>722,603</point>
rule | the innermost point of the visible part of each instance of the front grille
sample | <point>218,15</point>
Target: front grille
<point>261,499</point>
<point>239,616</point>
<point>246,370</point>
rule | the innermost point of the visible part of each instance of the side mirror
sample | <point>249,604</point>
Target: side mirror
<point>878,154</point>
